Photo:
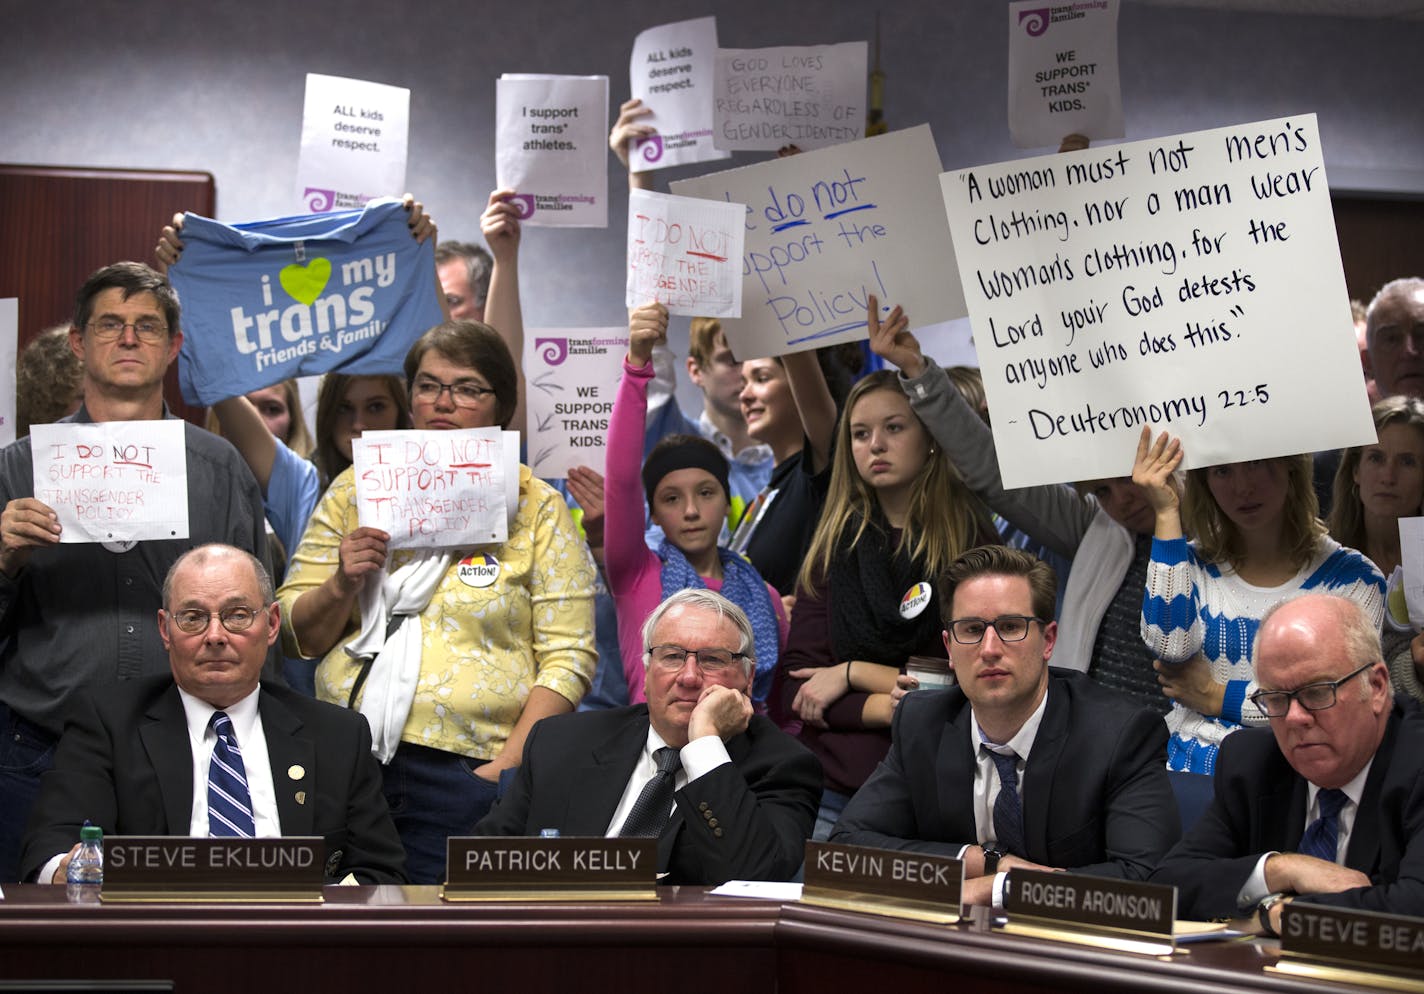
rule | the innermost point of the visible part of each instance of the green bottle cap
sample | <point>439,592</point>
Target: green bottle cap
<point>91,833</point>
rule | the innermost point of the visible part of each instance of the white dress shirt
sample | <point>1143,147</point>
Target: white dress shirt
<point>699,757</point>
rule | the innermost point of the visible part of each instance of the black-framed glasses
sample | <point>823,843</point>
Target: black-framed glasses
<point>149,331</point>
<point>462,394</point>
<point>1312,697</point>
<point>238,618</point>
<point>671,658</point>
<point>1009,628</point>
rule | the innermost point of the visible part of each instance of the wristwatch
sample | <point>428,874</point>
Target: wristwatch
<point>991,859</point>
<point>1263,912</point>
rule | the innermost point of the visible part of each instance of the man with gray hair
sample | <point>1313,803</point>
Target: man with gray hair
<point>1394,336</point>
<point>1327,806</point>
<point>728,794</point>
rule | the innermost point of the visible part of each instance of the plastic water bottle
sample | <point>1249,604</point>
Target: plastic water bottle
<point>86,869</point>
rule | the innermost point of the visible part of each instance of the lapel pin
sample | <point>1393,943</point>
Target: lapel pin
<point>301,797</point>
<point>296,772</point>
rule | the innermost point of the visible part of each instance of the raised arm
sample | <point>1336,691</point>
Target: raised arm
<point>503,312</point>
<point>814,404</point>
<point>626,130</point>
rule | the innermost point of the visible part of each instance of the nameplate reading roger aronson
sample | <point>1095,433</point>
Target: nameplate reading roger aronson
<point>1094,903</point>
<point>1366,939</point>
<point>140,867</point>
<point>550,869</point>
<point>885,881</point>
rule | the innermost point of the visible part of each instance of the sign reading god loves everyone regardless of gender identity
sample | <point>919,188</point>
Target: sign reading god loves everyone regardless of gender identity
<point>354,137</point>
<point>347,291</point>
<point>1063,76</point>
<point>770,97</point>
<point>825,230</point>
<point>671,72</point>
<point>437,489</point>
<point>551,147</point>
<point>1190,283</point>
<point>572,376</point>
<point>121,481</point>
<point>685,253</point>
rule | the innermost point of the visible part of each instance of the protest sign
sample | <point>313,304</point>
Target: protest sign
<point>120,481</point>
<point>348,291</point>
<point>671,72</point>
<point>1409,574</point>
<point>354,137</point>
<point>828,228</point>
<point>437,489</point>
<point>1190,283</point>
<point>769,97</point>
<point>573,376</point>
<point>551,147</point>
<point>9,339</point>
<point>1063,76</point>
<point>685,253</point>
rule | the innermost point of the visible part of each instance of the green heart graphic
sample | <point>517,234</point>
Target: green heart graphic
<point>305,283</point>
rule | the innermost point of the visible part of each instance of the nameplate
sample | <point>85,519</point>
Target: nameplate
<point>886,881</point>
<point>1094,907</point>
<point>551,869</point>
<point>162,868</point>
<point>1368,940</point>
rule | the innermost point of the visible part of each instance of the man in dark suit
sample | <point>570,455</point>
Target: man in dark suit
<point>728,794</point>
<point>1328,805</point>
<point>1018,765</point>
<point>139,757</point>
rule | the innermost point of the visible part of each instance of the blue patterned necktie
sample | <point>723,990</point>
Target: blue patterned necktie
<point>1008,812</point>
<point>651,809</point>
<point>229,803</point>
<point>1322,836</point>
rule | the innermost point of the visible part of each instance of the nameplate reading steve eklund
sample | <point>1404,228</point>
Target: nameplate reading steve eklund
<point>550,865</point>
<point>134,863</point>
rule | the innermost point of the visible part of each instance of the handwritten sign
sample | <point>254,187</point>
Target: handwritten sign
<point>551,146</point>
<point>354,140</point>
<point>121,481</point>
<point>685,253</point>
<point>437,489</point>
<point>9,340</point>
<point>826,229</point>
<point>671,72</point>
<point>572,375</point>
<point>812,97</point>
<point>1191,283</point>
<point>1063,74</point>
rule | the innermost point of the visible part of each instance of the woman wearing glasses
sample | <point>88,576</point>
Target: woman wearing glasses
<point>685,481</point>
<point>1257,541</point>
<point>493,638</point>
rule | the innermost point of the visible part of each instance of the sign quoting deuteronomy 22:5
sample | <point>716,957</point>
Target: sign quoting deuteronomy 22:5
<point>1192,283</point>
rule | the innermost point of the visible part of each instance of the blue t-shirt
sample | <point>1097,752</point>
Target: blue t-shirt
<point>268,300</point>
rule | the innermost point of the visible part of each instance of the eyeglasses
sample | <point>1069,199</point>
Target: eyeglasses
<point>1312,697</point>
<point>146,330</point>
<point>1392,339</point>
<point>711,662</point>
<point>1009,628</point>
<point>462,394</point>
<point>235,619</point>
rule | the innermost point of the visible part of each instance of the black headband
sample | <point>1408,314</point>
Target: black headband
<point>688,455</point>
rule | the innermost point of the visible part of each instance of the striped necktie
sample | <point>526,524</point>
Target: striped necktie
<point>1322,836</point>
<point>1008,812</point>
<point>229,803</point>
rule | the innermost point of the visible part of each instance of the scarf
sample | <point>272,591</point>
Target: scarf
<point>868,580</point>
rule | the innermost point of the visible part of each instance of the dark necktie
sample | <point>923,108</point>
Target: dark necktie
<point>1008,812</point>
<point>651,809</point>
<point>1322,836</point>
<point>229,803</point>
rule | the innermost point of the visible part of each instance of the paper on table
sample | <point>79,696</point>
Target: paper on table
<point>767,890</point>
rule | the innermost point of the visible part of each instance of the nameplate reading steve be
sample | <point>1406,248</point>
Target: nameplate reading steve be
<point>162,868</point>
<point>886,881</point>
<point>1367,940</point>
<point>550,869</point>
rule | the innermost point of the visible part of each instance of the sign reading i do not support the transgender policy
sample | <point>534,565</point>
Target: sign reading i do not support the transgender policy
<point>1190,283</point>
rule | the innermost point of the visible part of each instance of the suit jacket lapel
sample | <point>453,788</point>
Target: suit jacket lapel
<point>164,734</point>
<point>598,782</point>
<point>1281,817</point>
<point>1039,772</point>
<point>288,751</point>
<point>953,769</point>
<point>1363,852</point>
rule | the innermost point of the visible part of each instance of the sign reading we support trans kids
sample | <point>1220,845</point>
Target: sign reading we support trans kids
<point>551,147</point>
<point>120,481</point>
<point>825,230</point>
<point>685,253</point>
<point>1063,76</point>
<point>1190,283</point>
<point>572,375</point>
<point>437,489</point>
<point>354,137</point>
<point>809,97</point>
<point>671,72</point>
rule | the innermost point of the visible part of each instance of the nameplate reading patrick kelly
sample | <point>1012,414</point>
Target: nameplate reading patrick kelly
<point>556,867</point>
<point>167,864</point>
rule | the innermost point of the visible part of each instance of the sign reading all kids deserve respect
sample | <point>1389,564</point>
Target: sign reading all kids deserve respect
<point>671,72</point>
<point>354,137</point>
<point>1190,283</point>
<point>685,253</point>
<point>120,481</point>
<point>572,375</point>
<point>551,147</point>
<point>347,291</point>
<point>437,489</point>
<point>825,230</point>
<point>1063,76</point>
<point>809,97</point>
